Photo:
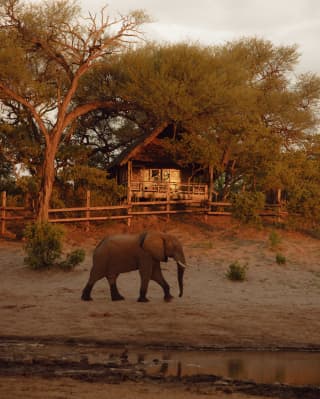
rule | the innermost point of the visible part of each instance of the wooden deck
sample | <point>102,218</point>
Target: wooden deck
<point>174,191</point>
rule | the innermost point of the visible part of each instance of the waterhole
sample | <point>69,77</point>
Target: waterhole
<point>269,367</point>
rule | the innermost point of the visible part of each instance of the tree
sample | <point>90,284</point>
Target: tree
<point>285,110</point>
<point>234,108</point>
<point>46,53</point>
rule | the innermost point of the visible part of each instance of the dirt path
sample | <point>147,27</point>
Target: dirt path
<point>277,306</point>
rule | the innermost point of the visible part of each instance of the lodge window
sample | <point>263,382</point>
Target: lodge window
<point>159,175</point>
<point>155,174</point>
<point>166,174</point>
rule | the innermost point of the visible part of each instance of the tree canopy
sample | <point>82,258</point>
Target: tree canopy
<point>237,107</point>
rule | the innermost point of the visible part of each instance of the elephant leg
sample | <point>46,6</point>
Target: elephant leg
<point>145,276</point>
<point>86,293</point>
<point>115,294</point>
<point>143,290</point>
<point>93,278</point>
<point>157,276</point>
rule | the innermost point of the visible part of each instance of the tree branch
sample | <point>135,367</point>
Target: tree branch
<point>84,109</point>
<point>16,97</point>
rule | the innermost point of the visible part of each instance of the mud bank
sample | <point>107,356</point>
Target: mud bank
<point>94,362</point>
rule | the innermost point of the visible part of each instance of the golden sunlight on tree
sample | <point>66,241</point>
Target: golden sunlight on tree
<point>46,50</point>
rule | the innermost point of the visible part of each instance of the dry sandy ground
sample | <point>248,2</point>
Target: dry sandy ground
<point>36,388</point>
<point>277,306</point>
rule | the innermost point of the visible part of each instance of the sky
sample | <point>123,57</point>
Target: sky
<point>212,22</point>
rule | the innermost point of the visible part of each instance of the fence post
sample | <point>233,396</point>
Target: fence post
<point>168,202</point>
<point>129,192</point>
<point>207,208</point>
<point>3,212</point>
<point>129,219</point>
<point>88,210</point>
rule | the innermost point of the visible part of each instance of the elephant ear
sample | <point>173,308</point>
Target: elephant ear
<point>154,245</point>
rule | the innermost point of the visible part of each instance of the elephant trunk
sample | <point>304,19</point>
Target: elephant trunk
<point>181,268</point>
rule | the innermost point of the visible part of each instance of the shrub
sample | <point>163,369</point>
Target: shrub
<point>281,259</point>
<point>247,205</point>
<point>44,248</point>
<point>73,259</point>
<point>237,272</point>
<point>274,239</point>
<point>43,245</point>
<point>301,178</point>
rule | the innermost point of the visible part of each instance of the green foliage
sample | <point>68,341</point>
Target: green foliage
<point>80,178</point>
<point>23,191</point>
<point>73,259</point>
<point>44,248</point>
<point>281,259</point>
<point>226,103</point>
<point>43,245</point>
<point>274,239</point>
<point>301,178</point>
<point>258,157</point>
<point>20,141</point>
<point>246,206</point>
<point>237,271</point>
<point>202,90</point>
<point>28,185</point>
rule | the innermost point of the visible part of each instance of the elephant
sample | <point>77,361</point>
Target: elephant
<point>123,253</point>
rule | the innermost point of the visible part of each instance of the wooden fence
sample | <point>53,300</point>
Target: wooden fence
<point>90,213</point>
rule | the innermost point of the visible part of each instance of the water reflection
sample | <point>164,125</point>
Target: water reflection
<point>293,368</point>
<point>235,367</point>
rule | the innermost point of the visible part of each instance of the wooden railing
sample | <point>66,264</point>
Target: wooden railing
<point>150,189</point>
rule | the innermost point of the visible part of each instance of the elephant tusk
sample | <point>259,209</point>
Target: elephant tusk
<point>181,264</point>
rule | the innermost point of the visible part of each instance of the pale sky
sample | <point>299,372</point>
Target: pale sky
<point>283,22</point>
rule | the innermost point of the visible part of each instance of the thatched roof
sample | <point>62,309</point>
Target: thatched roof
<point>137,146</point>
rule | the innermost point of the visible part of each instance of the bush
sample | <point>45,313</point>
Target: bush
<point>247,205</point>
<point>301,179</point>
<point>304,206</point>
<point>73,259</point>
<point>43,245</point>
<point>274,239</point>
<point>281,259</point>
<point>44,248</point>
<point>237,272</point>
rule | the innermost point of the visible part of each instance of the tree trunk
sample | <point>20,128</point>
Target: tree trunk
<point>46,186</point>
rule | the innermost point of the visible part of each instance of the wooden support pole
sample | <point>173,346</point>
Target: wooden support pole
<point>88,210</point>
<point>279,196</point>
<point>210,191</point>
<point>129,193</point>
<point>3,212</point>
<point>168,202</point>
